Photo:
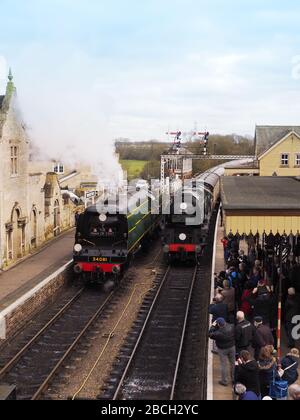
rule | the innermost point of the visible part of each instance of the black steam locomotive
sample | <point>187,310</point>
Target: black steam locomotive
<point>185,234</point>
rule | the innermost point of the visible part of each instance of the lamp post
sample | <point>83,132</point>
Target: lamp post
<point>279,302</point>
<point>284,250</point>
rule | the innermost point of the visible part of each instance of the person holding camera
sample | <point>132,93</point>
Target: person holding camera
<point>224,336</point>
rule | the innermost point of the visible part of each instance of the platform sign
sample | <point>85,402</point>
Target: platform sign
<point>90,194</point>
<point>90,197</point>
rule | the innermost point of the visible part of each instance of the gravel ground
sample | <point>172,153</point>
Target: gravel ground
<point>139,279</point>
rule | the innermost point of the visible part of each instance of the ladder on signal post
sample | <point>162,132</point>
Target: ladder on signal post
<point>177,138</point>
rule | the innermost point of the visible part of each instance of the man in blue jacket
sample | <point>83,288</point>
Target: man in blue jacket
<point>244,394</point>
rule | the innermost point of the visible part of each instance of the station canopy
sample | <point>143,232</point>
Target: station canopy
<point>261,205</point>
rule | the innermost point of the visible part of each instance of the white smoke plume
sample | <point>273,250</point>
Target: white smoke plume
<point>3,73</point>
<point>67,112</point>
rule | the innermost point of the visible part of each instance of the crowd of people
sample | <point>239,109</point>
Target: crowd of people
<point>244,325</point>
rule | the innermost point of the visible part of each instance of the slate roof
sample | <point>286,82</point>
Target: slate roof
<point>267,136</point>
<point>260,193</point>
<point>246,165</point>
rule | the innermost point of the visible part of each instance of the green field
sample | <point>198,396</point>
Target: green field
<point>133,167</point>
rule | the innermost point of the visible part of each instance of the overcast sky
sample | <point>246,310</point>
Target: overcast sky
<point>146,65</point>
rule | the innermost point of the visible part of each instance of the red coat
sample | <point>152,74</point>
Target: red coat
<point>245,305</point>
<point>225,243</point>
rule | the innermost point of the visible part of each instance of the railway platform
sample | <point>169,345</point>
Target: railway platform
<point>217,392</point>
<point>21,278</point>
<point>31,276</point>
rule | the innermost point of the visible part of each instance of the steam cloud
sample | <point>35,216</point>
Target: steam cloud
<point>66,111</point>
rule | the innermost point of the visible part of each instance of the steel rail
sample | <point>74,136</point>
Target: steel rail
<point>141,335</point>
<point>145,325</point>
<point>18,356</point>
<point>183,334</point>
<point>44,385</point>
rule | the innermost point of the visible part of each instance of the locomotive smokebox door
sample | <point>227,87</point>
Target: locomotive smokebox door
<point>8,392</point>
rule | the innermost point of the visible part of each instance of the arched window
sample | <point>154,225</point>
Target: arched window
<point>18,234</point>
<point>33,228</point>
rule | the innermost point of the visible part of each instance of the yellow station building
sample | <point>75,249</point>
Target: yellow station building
<point>264,197</point>
<point>261,205</point>
<point>277,150</point>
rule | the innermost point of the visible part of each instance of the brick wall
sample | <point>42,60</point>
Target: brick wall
<point>18,318</point>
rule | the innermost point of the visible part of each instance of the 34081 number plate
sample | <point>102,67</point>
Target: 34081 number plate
<point>99,260</point>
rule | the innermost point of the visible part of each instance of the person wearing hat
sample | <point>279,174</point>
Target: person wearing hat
<point>291,310</point>
<point>289,367</point>
<point>224,336</point>
<point>262,336</point>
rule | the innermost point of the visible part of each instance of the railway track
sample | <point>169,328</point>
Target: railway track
<point>192,375</point>
<point>165,355</point>
<point>40,359</point>
<point>151,372</point>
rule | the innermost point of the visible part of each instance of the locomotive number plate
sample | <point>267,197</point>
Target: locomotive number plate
<point>100,259</point>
